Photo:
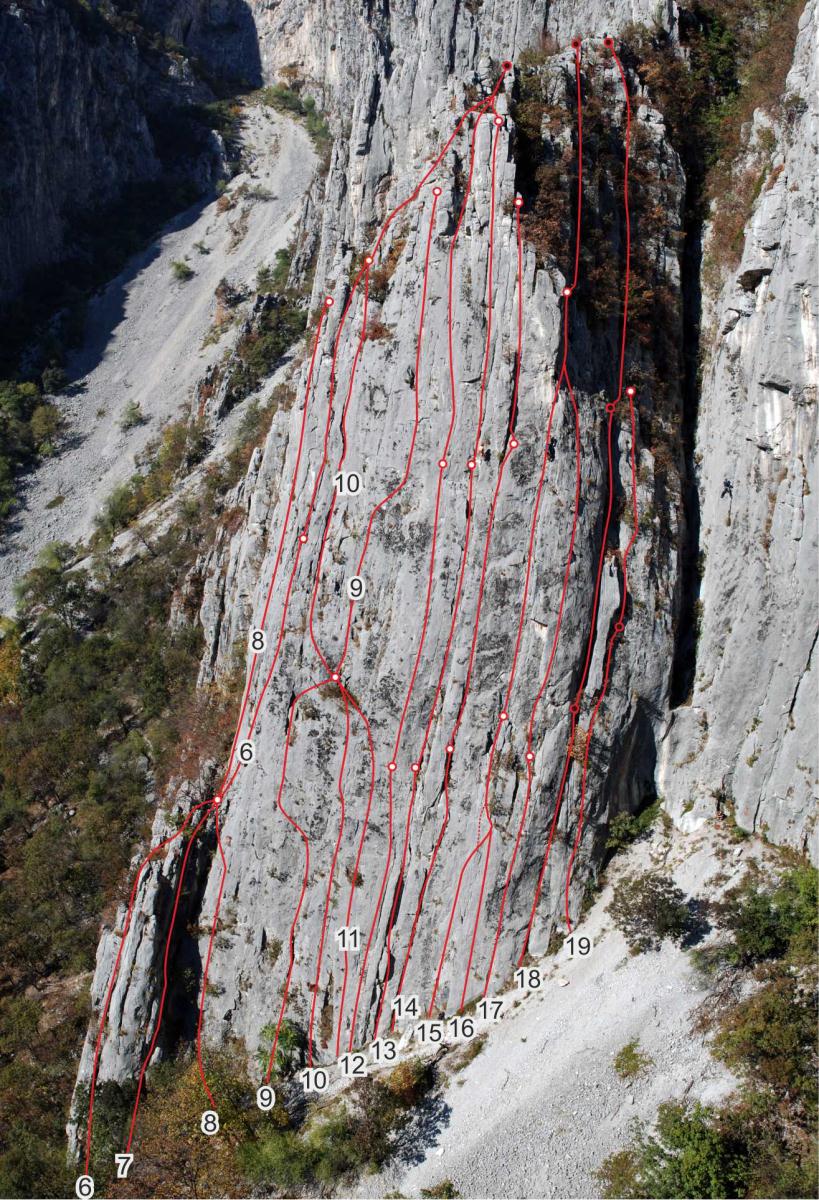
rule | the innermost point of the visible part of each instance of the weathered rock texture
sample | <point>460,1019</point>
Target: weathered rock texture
<point>748,734</point>
<point>396,83</point>
<point>77,95</point>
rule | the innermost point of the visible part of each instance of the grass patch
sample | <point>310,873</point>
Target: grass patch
<point>470,1052</point>
<point>445,1190</point>
<point>181,271</point>
<point>630,1060</point>
<point>288,99</point>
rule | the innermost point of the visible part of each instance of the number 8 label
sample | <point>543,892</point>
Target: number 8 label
<point>210,1122</point>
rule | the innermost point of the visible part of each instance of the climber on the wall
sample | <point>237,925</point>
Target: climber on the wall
<point>552,448</point>
<point>727,489</point>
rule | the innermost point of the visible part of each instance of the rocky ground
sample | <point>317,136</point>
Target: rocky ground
<point>145,337</point>
<point>541,1106</point>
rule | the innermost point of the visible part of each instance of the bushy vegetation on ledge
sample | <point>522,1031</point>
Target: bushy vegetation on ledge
<point>295,1149</point>
<point>288,99</point>
<point>762,1017</point>
<point>737,56</point>
<point>97,707</point>
<point>29,426</point>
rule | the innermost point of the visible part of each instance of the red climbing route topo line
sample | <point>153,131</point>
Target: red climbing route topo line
<point>291,497</point>
<point>443,464</point>
<point>471,467</point>
<point>306,841</point>
<point>630,392</point>
<point>211,940</point>
<point>378,507</point>
<point>512,445</point>
<point>342,815</point>
<point>334,676</point>
<point>115,972</point>
<point>328,521</point>
<point>164,992</point>
<point>574,708</point>
<point>356,873</point>
<point>563,376</point>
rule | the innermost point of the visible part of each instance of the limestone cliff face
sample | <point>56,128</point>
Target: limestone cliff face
<point>398,88</point>
<point>748,734</point>
<point>395,79</point>
<point>77,95</point>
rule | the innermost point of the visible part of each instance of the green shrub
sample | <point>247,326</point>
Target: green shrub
<point>260,351</point>
<point>272,279</point>
<point>647,910</point>
<point>445,1190</point>
<point>46,424</point>
<point>688,1154</point>
<point>18,444</point>
<point>630,1060</point>
<point>625,828</point>
<point>132,415</point>
<point>290,1048</point>
<point>770,1037</point>
<point>181,445</point>
<point>769,923</point>
<point>54,380</point>
<point>182,271</point>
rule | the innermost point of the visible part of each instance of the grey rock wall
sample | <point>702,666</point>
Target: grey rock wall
<point>393,122</point>
<point>395,84</point>
<point>748,734</point>
<point>77,95</point>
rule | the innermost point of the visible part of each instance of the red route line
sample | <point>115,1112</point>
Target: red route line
<point>501,722</point>
<point>472,466</point>
<point>211,941</point>
<point>619,624</point>
<point>306,841</point>
<point>563,376</point>
<point>376,509</point>
<point>530,754</point>
<point>430,576</point>
<point>353,881</point>
<point>363,271</point>
<point>113,980</point>
<point>574,708</point>
<point>391,495</point>
<point>280,550</point>
<point>512,444</point>
<point>342,809</point>
<point>164,993</point>
<point>356,358</point>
